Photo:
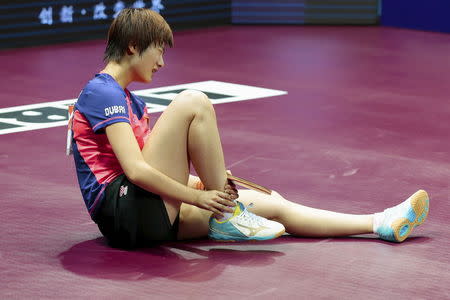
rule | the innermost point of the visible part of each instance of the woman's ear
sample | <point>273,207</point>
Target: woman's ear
<point>132,49</point>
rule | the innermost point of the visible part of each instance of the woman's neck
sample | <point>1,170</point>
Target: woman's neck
<point>119,73</point>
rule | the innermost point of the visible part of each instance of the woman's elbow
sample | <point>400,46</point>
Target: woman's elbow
<point>133,173</point>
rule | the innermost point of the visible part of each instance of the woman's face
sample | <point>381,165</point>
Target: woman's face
<point>146,64</point>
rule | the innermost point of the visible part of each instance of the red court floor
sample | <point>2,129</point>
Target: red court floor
<point>365,124</point>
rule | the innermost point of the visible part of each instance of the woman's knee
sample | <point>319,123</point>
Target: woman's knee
<point>272,207</point>
<point>279,205</point>
<point>195,101</point>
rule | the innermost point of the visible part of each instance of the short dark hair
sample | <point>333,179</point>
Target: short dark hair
<point>140,27</point>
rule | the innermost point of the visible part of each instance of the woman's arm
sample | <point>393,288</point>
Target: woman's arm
<point>139,172</point>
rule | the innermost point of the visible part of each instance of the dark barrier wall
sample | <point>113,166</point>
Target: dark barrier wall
<point>305,11</point>
<point>433,15</point>
<point>36,22</point>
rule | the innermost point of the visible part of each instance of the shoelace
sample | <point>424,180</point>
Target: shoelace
<point>250,217</point>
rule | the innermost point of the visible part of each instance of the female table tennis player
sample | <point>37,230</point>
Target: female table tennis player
<point>136,182</point>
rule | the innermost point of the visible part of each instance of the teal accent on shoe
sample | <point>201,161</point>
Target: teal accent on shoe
<point>411,215</point>
<point>404,230</point>
<point>419,220</point>
<point>225,237</point>
<point>386,233</point>
<point>221,237</point>
<point>224,231</point>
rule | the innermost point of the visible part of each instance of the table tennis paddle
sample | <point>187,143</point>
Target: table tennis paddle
<point>249,184</point>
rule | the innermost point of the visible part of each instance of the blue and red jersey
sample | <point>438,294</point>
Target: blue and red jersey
<point>103,102</point>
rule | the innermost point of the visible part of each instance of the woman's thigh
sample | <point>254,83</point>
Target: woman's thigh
<point>166,146</point>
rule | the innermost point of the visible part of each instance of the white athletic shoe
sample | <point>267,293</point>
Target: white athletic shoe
<point>244,226</point>
<point>395,224</point>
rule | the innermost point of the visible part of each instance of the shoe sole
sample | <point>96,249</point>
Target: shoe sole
<point>232,239</point>
<point>418,213</point>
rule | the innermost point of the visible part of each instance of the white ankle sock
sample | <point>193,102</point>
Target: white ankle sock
<point>377,221</point>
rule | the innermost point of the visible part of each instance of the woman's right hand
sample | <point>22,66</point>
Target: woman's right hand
<point>215,201</point>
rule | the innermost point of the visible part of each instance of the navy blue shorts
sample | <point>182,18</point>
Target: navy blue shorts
<point>131,217</point>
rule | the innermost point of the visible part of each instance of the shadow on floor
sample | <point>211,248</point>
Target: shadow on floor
<point>178,261</point>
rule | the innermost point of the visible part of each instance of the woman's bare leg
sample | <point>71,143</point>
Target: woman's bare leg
<point>298,220</point>
<point>187,131</point>
<point>195,222</point>
<point>305,221</point>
